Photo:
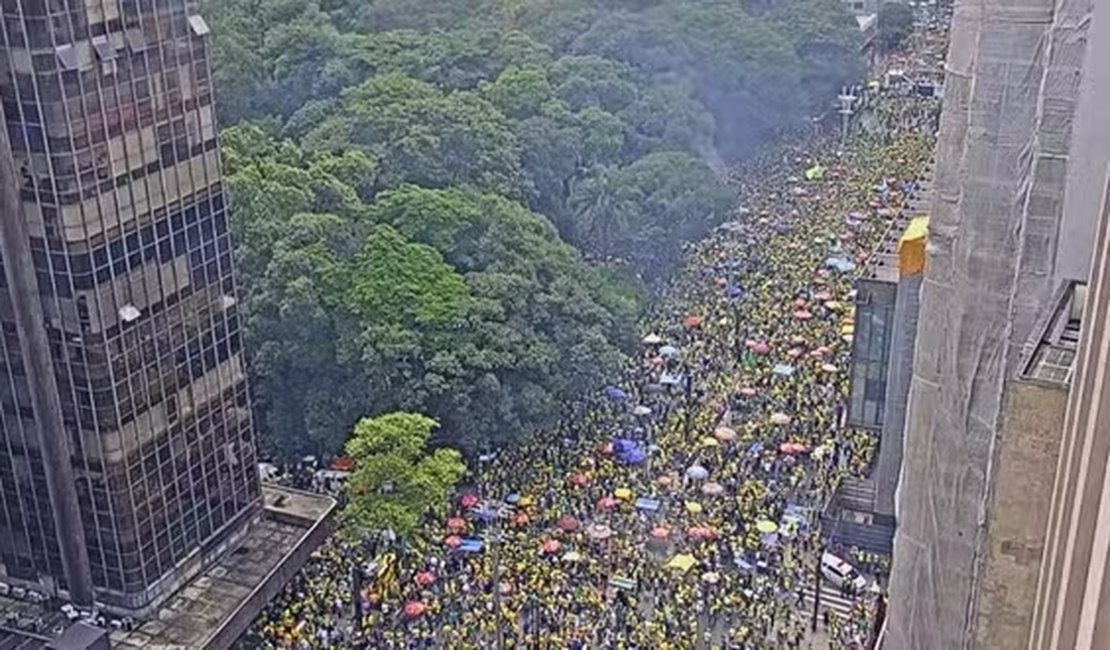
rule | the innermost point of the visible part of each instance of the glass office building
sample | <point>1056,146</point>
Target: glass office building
<point>125,421</point>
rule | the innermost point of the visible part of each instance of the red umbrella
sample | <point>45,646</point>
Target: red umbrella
<point>415,608</point>
<point>664,480</point>
<point>800,303</point>
<point>551,546</point>
<point>453,541</point>
<point>425,578</point>
<point>581,480</point>
<point>569,524</point>
<point>761,348</point>
<point>693,322</point>
<point>607,503</point>
<point>343,464</point>
<point>803,314</point>
<point>657,361</point>
<point>794,353</point>
<point>469,500</point>
<point>456,523</point>
<point>521,519</point>
<point>747,391</point>
<point>660,532</point>
<point>607,449</point>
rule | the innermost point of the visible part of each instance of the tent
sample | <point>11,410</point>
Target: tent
<point>651,505</point>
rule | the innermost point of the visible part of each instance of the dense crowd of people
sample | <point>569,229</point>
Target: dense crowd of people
<point>680,507</point>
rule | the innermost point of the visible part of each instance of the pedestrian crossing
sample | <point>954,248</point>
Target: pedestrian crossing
<point>831,598</point>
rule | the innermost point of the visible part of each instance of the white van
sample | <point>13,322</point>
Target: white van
<point>840,573</point>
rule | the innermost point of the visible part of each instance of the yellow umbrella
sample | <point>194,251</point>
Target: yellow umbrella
<point>681,562</point>
<point>623,493</point>
<point>766,526</point>
<point>709,442</point>
<point>693,507</point>
<point>526,501</point>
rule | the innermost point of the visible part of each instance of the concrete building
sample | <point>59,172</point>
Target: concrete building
<point>999,523</point>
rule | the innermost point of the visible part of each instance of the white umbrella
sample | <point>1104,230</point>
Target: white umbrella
<point>653,339</point>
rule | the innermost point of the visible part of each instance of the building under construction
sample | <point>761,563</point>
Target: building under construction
<point>1003,535</point>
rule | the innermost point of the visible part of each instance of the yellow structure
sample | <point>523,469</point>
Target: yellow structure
<point>911,247</point>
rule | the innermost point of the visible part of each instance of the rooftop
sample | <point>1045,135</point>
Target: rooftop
<point>232,591</point>
<point>1051,358</point>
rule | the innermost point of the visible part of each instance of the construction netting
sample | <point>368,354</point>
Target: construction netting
<point>1010,92</point>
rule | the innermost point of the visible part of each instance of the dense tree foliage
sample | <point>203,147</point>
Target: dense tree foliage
<point>895,25</point>
<point>454,206</point>
<point>397,479</point>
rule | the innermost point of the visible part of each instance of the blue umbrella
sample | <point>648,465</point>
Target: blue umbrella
<point>734,292</point>
<point>697,472</point>
<point>513,498</point>
<point>668,351</point>
<point>615,394</point>
<point>756,448</point>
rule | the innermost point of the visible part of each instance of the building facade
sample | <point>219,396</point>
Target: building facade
<point>126,447</point>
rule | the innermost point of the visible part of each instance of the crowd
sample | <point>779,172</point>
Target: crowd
<point>679,508</point>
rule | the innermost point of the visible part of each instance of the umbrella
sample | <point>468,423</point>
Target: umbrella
<point>761,348</point>
<point>572,556</point>
<point>607,449</point>
<point>800,303</point>
<point>725,434</point>
<point>453,541</point>
<point>786,448</point>
<point>622,493</point>
<point>748,391</point>
<point>581,480</point>
<point>664,480</point>
<point>615,394</point>
<point>711,577</point>
<point>521,519</point>
<point>526,501</point>
<point>456,523</point>
<point>713,489</point>
<point>734,292</point>
<point>832,305</point>
<point>551,546</point>
<point>659,532</point>
<point>652,339</point>
<point>513,498</point>
<point>469,500</point>
<point>697,472</point>
<point>641,410</point>
<point>756,448</point>
<point>693,507</point>
<point>780,418</point>
<point>599,531</point>
<point>415,608</point>
<point>828,367</point>
<point>425,578</point>
<point>794,353</point>
<point>693,322</point>
<point>766,526</point>
<point>656,361</point>
<point>668,351</point>
<point>343,464</point>
<point>569,524</point>
<point>803,314</point>
<point>822,296</point>
<point>709,441</point>
<point>607,503</point>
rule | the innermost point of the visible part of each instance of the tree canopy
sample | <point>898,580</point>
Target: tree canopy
<point>455,207</point>
<point>397,479</point>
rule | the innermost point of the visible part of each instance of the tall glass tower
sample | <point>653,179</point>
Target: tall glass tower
<point>126,448</point>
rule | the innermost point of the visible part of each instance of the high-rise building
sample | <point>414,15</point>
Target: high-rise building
<point>1002,520</point>
<point>126,448</point>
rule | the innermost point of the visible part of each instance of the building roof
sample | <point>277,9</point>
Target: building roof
<point>867,22</point>
<point>202,608</point>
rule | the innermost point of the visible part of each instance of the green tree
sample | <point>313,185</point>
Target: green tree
<point>895,25</point>
<point>397,478</point>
